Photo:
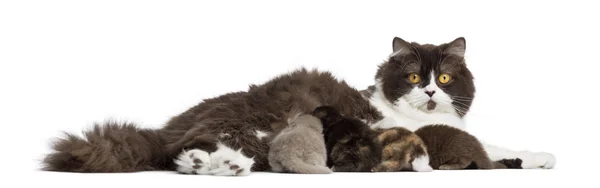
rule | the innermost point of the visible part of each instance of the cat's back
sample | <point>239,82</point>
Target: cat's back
<point>308,89</point>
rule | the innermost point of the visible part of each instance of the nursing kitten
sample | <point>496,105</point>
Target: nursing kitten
<point>351,145</point>
<point>450,148</point>
<point>402,150</point>
<point>300,148</point>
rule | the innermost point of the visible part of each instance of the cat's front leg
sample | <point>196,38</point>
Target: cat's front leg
<point>531,160</point>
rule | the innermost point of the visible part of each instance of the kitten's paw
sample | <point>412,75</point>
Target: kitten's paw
<point>228,162</point>
<point>421,164</point>
<point>422,168</point>
<point>194,161</point>
<point>380,168</point>
<point>447,167</point>
<point>539,160</point>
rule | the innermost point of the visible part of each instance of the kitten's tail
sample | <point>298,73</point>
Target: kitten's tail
<point>300,167</point>
<point>483,162</point>
<point>109,147</point>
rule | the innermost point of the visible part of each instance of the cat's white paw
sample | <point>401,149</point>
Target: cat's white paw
<point>538,160</point>
<point>228,162</point>
<point>421,164</point>
<point>194,161</point>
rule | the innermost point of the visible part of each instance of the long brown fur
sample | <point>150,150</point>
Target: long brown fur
<point>128,148</point>
<point>110,147</point>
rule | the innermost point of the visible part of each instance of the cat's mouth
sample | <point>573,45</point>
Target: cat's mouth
<point>431,105</point>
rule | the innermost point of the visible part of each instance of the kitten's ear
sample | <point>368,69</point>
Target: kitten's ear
<point>456,47</point>
<point>400,47</point>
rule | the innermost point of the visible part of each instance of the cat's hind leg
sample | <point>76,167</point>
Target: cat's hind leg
<point>223,159</point>
<point>194,161</point>
<point>228,162</point>
<point>530,160</point>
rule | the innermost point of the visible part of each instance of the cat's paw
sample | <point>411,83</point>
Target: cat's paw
<point>228,162</point>
<point>194,161</point>
<point>515,163</point>
<point>380,168</point>
<point>421,164</point>
<point>447,167</point>
<point>538,160</point>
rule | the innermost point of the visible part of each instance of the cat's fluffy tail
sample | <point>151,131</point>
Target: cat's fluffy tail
<point>109,147</point>
<point>300,167</point>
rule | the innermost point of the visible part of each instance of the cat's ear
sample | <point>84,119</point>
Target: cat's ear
<point>456,47</point>
<point>400,47</point>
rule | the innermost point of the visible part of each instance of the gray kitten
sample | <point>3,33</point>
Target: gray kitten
<point>299,148</point>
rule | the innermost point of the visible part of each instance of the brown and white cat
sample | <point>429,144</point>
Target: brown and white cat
<point>419,84</point>
<point>425,84</point>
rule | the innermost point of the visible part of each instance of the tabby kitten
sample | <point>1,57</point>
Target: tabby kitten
<point>300,148</point>
<point>402,150</point>
<point>351,145</point>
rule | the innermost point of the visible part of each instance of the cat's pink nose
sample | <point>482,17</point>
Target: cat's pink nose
<point>430,93</point>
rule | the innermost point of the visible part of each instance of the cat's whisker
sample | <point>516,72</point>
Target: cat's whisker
<point>418,101</point>
<point>462,99</point>
<point>459,110</point>
<point>459,97</point>
<point>461,103</point>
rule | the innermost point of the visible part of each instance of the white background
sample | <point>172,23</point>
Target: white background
<point>67,64</point>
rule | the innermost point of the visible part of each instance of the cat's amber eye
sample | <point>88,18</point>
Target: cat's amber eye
<point>414,78</point>
<point>444,78</point>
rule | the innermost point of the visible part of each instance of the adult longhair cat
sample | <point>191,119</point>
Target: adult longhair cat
<point>420,84</point>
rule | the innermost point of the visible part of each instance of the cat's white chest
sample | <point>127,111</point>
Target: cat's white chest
<point>403,115</point>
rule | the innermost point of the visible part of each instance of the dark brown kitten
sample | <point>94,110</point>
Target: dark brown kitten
<point>402,150</point>
<point>351,145</point>
<point>450,148</point>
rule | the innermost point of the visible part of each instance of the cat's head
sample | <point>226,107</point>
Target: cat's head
<point>431,78</point>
